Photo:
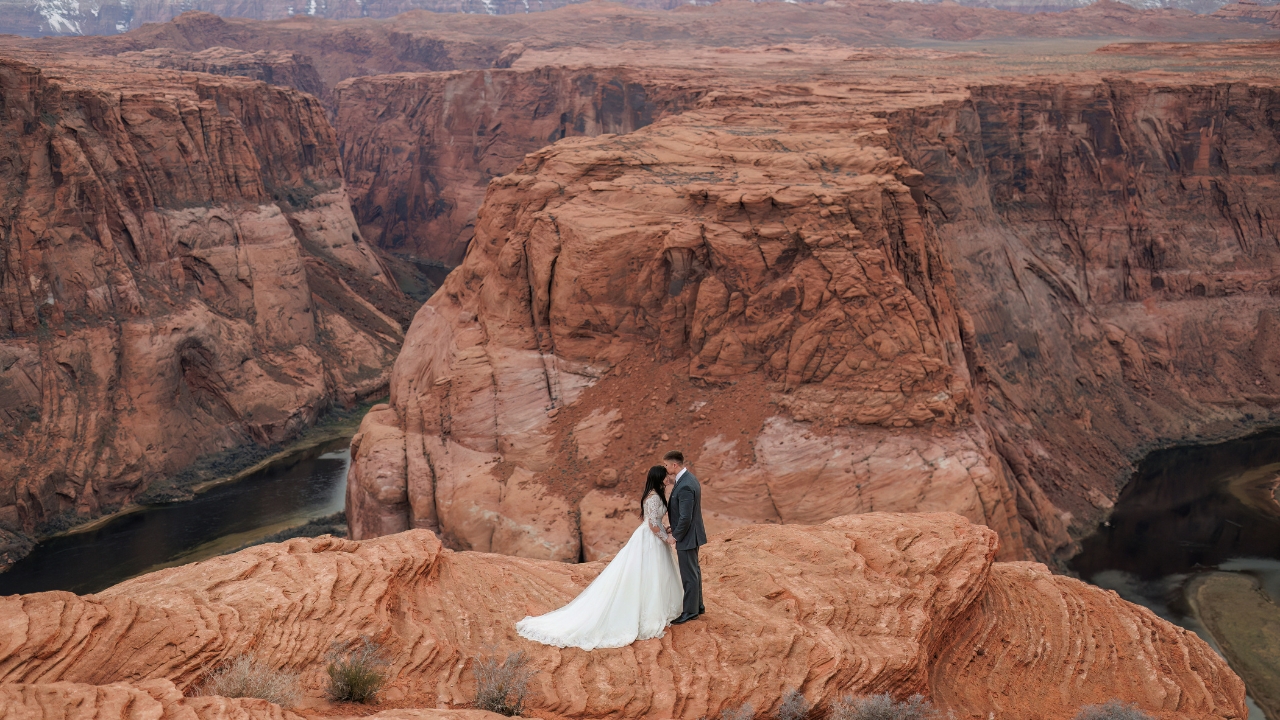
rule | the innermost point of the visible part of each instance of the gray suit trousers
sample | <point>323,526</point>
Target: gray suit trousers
<point>691,580</point>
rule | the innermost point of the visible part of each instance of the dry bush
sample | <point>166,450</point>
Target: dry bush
<point>249,677</point>
<point>882,707</point>
<point>501,687</point>
<point>794,706</point>
<point>1112,710</point>
<point>358,673</point>
<point>742,712</point>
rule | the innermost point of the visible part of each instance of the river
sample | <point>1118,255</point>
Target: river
<point>1193,514</point>
<point>292,491</point>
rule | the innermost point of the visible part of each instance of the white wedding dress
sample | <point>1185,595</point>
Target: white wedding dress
<point>636,596</point>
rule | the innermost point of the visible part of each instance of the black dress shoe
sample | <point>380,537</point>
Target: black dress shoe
<point>683,619</point>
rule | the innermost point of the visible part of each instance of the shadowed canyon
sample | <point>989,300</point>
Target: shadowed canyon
<point>915,288</point>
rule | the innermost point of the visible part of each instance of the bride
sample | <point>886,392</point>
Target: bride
<point>633,598</point>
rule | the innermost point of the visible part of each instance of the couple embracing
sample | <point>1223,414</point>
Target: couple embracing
<point>640,592</point>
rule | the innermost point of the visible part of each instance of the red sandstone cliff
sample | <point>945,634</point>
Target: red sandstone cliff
<point>970,17</point>
<point>1115,246</point>
<point>180,273</point>
<point>839,296</point>
<point>757,284</point>
<point>419,150</point>
<point>272,67</point>
<point>865,604</point>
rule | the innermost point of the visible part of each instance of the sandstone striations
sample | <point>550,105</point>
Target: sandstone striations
<point>1115,248</point>
<point>723,246</point>
<point>841,295</point>
<point>871,603</point>
<point>419,150</point>
<point>181,274</point>
<point>272,67</point>
<point>1250,11</point>
<point>96,17</point>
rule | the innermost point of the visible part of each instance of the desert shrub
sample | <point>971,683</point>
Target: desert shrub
<point>249,677</point>
<point>358,673</point>
<point>742,712</point>
<point>501,687</point>
<point>794,706</point>
<point>882,707</point>
<point>1112,710</point>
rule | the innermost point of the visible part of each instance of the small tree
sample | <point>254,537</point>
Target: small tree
<point>359,673</point>
<point>501,687</point>
<point>743,712</point>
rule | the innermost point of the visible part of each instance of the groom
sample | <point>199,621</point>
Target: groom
<point>684,511</point>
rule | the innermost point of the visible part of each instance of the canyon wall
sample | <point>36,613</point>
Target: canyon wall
<point>180,273</point>
<point>874,603</point>
<point>1116,245</point>
<point>755,285</point>
<point>272,67</point>
<point>835,299</point>
<point>419,150</point>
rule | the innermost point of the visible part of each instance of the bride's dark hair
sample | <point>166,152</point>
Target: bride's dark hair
<point>653,484</point>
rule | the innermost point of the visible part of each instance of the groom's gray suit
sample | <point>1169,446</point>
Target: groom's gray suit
<point>684,510</point>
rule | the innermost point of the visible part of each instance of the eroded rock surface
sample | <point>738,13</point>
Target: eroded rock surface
<point>1116,254</point>
<point>273,67</point>
<point>420,149</point>
<point>787,263</point>
<point>863,604</point>
<point>181,274</point>
<point>838,296</point>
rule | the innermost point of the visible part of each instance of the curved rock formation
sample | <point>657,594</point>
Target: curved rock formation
<point>789,265</point>
<point>870,603</point>
<point>840,296</point>
<point>180,273</point>
<point>161,700</point>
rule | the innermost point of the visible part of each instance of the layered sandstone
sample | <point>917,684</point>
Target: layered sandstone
<point>420,149</point>
<point>272,67</point>
<point>162,700</point>
<point>95,17</point>
<point>865,604</point>
<point>181,274</point>
<point>758,285</point>
<point>1250,11</point>
<point>839,296</point>
<point>1114,245</point>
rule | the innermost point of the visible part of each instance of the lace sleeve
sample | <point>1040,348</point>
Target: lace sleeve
<point>653,512</point>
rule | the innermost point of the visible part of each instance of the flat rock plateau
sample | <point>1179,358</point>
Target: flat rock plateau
<point>913,287</point>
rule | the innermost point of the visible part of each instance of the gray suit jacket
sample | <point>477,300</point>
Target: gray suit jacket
<point>684,509</point>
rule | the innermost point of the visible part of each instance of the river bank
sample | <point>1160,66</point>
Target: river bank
<point>230,466</point>
<point>1195,538</point>
<point>199,513</point>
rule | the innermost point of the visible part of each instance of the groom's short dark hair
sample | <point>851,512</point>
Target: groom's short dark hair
<point>674,455</point>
